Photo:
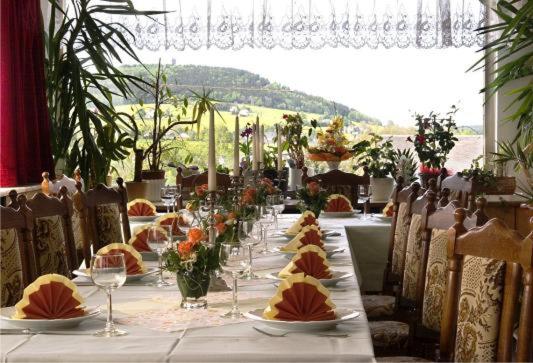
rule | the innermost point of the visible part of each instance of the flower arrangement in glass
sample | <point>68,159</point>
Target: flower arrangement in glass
<point>197,198</point>
<point>331,144</point>
<point>193,260</point>
<point>312,198</point>
<point>253,196</point>
<point>434,140</point>
<point>295,140</point>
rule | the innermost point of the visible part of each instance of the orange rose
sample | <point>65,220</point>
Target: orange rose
<point>185,248</point>
<point>219,218</point>
<point>313,188</point>
<point>195,235</point>
<point>221,227</point>
<point>232,215</point>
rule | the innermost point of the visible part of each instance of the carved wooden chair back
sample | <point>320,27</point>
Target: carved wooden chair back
<point>107,215</point>
<point>53,236</point>
<point>431,279</point>
<point>485,267</point>
<point>399,231</point>
<point>18,260</point>
<point>340,182</point>
<point>223,180</point>
<point>81,225</point>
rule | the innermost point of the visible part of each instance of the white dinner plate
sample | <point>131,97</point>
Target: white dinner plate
<point>46,324</point>
<point>330,251</point>
<point>142,218</point>
<point>129,278</point>
<point>342,315</point>
<point>339,214</point>
<point>337,277</point>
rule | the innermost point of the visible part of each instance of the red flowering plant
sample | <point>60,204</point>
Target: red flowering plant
<point>192,256</point>
<point>434,140</point>
<point>312,198</point>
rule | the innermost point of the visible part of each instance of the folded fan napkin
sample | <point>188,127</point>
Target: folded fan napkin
<point>139,240</point>
<point>310,260</point>
<point>307,218</point>
<point>133,259</point>
<point>172,219</point>
<point>50,297</point>
<point>300,298</point>
<point>338,203</point>
<point>309,235</point>
<point>141,207</point>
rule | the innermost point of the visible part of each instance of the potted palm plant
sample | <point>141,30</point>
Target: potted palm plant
<point>379,156</point>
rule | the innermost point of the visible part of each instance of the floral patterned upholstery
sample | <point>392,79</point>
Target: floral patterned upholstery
<point>50,246</point>
<point>435,285</point>
<point>378,305</point>
<point>400,239</point>
<point>413,257</point>
<point>76,228</point>
<point>389,334</point>
<point>108,224</point>
<point>479,310</point>
<point>11,267</point>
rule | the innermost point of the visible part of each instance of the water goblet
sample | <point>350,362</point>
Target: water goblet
<point>277,202</point>
<point>234,260</point>
<point>248,237</point>
<point>159,245</point>
<point>168,196</point>
<point>108,272</point>
<point>266,219</point>
<point>364,197</point>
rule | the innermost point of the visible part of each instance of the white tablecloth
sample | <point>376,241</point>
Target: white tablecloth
<point>237,342</point>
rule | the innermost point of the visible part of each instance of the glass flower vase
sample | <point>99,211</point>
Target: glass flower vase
<point>193,288</point>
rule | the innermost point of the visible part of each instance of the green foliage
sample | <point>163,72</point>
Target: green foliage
<point>481,174</point>
<point>405,165</point>
<point>377,154</point>
<point>522,158</point>
<point>513,53</point>
<point>294,138</point>
<point>435,138</point>
<point>82,80</point>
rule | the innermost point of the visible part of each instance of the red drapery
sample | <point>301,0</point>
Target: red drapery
<point>24,122</point>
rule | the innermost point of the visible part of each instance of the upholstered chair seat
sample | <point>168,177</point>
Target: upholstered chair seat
<point>379,305</point>
<point>389,334</point>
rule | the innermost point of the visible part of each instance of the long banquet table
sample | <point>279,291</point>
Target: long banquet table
<point>160,331</point>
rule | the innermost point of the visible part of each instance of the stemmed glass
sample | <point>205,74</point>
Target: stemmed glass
<point>108,272</point>
<point>364,197</point>
<point>248,238</point>
<point>277,202</point>
<point>234,260</point>
<point>266,219</point>
<point>168,195</point>
<point>159,245</point>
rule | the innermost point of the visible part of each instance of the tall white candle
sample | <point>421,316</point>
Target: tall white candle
<point>280,158</point>
<point>211,157</point>
<point>236,155</point>
<point>262,145</point>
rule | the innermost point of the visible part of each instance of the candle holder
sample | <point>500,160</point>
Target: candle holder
<point>210,201</point>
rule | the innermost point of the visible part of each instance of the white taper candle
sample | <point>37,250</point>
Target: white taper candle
<point>211,157</point>
<point>236,155</point>
<point>280,158</point>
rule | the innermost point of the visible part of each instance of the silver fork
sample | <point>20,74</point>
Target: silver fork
<point>279,334</point>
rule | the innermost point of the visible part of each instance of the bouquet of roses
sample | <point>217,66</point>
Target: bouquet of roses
<point>331,144</point>
<point>312,198</point>
<point>197,197</point>
<point>192,255</point>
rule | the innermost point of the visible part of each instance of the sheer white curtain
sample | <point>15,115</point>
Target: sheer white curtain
<point>234,24</point>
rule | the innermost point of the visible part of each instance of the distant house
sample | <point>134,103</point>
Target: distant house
<point>234,110</point>
<point>244,113</point>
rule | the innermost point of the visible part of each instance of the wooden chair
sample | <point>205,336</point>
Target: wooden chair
<point>18,261</point>
<point>340,182</point>
<point>485,269</point>
<point>81,225</point>
<point>53,237</point>
<point>107,215</point>
<point>459,189</point>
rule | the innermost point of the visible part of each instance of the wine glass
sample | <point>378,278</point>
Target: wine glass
<point>108,272</point>
<point>248,238</point>
<point>168,194</point>
<point>364,197</point>
<point>159,245</point>
<point>234,260</point>
<point>177,196</point>
<point>266,219</point>
<point>277,202</point>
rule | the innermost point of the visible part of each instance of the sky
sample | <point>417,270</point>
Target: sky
<point>390,84</point>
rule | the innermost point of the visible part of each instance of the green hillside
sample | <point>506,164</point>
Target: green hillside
<point>236,86</point>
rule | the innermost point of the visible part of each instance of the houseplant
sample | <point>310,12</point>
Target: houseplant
<point>312,198</point>
<point>193,261</point>
<point>331,144</point>
<point>82,80</point>
<point>405,165</point>
<point>379,156</point>
<point>295,140</point>
<point>433,142</point>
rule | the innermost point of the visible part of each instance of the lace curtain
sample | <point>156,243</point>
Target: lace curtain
<point>298,24</point>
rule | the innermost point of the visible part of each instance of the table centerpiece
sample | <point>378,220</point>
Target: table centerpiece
<point>331,144</point>
<point>312,198</point>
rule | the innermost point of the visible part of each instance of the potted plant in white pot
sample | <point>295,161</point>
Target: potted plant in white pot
<point>159,120</point>
<point>378,155</point>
